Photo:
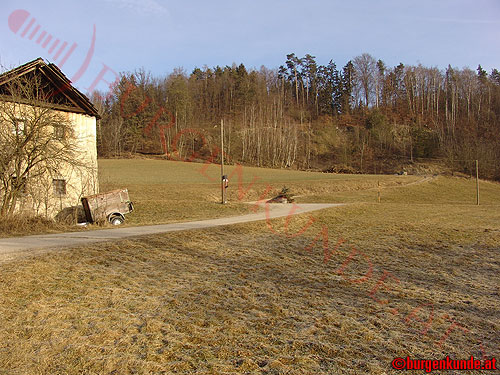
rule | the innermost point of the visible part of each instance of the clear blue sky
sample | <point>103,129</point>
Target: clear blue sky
<point>159,35</point>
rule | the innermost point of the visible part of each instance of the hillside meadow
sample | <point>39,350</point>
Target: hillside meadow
<point>338,291</point>
<point>170,191</point>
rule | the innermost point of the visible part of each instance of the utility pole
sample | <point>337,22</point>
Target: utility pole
<point>222,176</point>
<point>477,182</point>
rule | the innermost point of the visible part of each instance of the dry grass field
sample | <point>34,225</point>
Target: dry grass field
<point>417,275</point>
<point>169,191</point>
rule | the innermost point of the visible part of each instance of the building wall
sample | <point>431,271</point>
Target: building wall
<point>41,198</point>
<point>79,182</point>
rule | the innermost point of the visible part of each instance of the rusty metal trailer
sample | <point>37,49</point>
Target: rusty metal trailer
<point>111,206</point>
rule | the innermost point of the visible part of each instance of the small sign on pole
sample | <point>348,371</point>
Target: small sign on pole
<point>225,185</point>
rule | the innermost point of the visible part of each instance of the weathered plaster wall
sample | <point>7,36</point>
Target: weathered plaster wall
<point>40,197</point>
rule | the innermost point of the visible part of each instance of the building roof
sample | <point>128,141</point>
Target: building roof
<point>63,95</point>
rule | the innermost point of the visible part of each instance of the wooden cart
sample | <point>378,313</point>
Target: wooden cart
<point>111,206</point>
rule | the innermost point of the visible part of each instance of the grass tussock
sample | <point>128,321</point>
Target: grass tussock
<point>20,225</point>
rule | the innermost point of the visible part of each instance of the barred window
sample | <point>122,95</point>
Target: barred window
<point>18,128</point>
<point>59,186</point>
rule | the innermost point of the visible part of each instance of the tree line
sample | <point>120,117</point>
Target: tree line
<point>362,117</point>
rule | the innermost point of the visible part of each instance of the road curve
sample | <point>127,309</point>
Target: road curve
<point>13,245</point>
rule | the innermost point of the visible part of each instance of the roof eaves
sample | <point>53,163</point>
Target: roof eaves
<point>54,74</point>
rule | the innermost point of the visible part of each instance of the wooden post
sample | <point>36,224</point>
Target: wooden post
<point>477,182</point>
<point>223,189</point>
<point>378,193</point>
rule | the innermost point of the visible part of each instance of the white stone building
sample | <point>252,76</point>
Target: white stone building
<point>64,186</point>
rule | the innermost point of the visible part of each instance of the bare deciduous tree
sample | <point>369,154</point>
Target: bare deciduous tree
<point>36,142</point>
<point>365,66</point>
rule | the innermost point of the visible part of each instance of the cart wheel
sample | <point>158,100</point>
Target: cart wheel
<point>116,220</point>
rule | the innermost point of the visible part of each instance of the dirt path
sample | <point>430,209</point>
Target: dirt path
<point>14,245</point>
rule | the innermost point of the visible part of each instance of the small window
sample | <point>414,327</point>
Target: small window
<point>19,126</point>
<point>59,132</point>
<point>59,186</point>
